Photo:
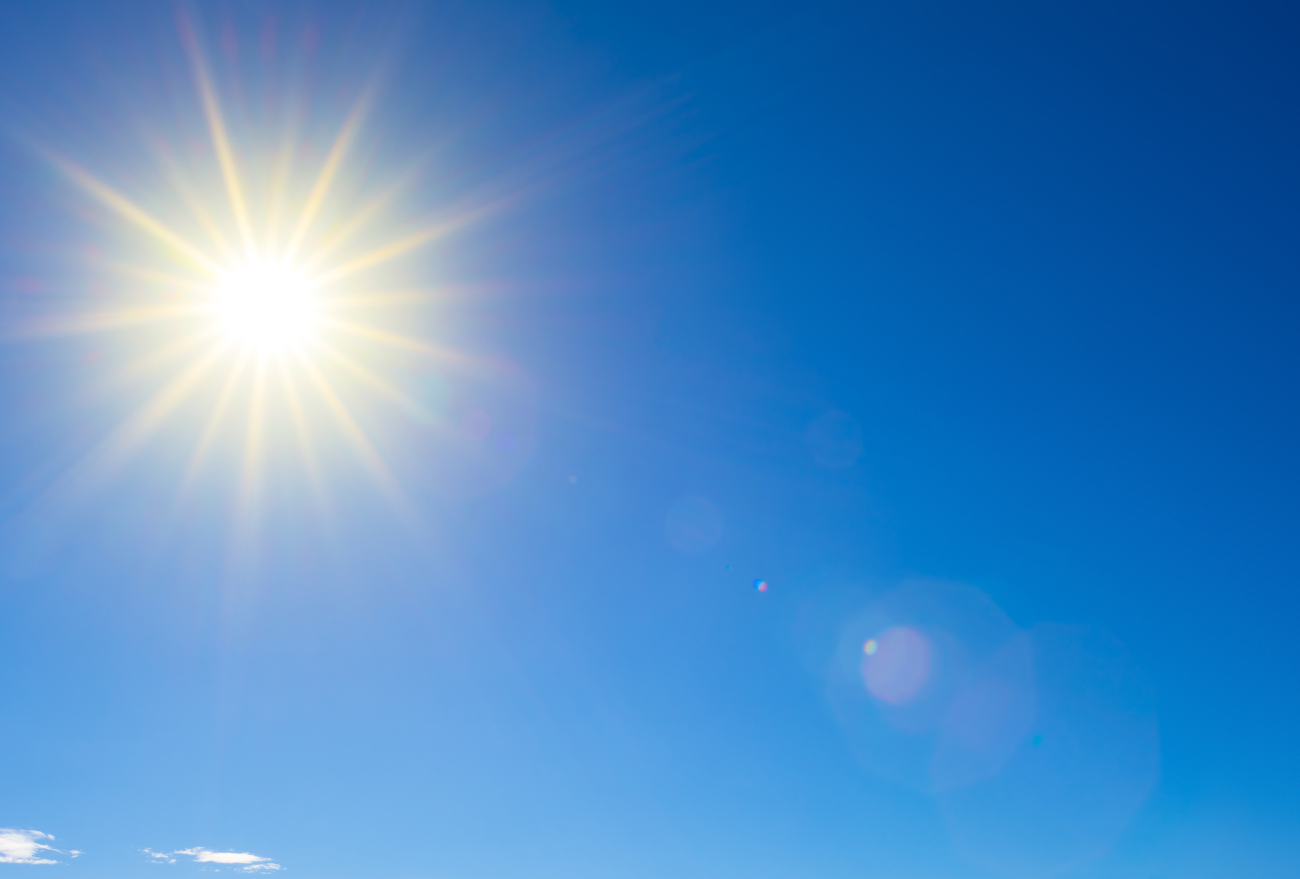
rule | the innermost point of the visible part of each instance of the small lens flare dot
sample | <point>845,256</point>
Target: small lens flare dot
<point>760,585</point>
<point>870,647</point>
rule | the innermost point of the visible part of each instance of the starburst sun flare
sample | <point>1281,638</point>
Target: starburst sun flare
<point>256,292</point>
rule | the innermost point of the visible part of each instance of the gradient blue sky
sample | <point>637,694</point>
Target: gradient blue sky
<point>993,304</point>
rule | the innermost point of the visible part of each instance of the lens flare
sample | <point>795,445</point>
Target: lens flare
<point>1039,745</point>
<point>899,665</point>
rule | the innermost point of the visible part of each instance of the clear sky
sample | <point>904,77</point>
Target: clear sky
<point>591,440</point>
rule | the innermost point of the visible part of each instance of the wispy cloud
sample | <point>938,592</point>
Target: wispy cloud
<point>25,847</point>
<point>244,862</point>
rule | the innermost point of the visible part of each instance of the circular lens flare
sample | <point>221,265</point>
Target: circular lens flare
<point>897,664</point>
<point>266,306</point>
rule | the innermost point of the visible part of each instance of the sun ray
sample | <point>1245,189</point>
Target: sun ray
<point>371,297</point>
<point>375,382</point>
<point>91,322</point>
<point>404,244</point>
<point>111,453</point>
<point>140,366</point>
<point>250,482</point>
<point>150,274</point>
<point>281,179</point>
<point>134,213</point>
<point>220,139</point>
<point>195,203</point>
<point>366,213</point>
<point>303,435</point>
<point>401,342</point>
<point>201,450</point>
<point>325,178</point>
<point>365,450</point>
<point>153,413</point>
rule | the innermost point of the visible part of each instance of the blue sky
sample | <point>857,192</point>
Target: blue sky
<point>966,331</point>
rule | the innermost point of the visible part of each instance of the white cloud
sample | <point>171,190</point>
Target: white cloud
<point>244,862</point>
<point>159,857</point>
<point>25,847</point>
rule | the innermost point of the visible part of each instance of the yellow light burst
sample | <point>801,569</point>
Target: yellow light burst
<point>258,282</point>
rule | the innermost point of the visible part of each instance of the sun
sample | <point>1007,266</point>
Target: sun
<point>269,307</point>
<point>259,303</point>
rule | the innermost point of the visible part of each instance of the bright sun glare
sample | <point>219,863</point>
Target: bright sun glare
<point>257,294</point>
<point>268,307</point>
